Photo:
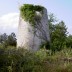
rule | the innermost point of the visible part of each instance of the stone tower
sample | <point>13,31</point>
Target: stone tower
<point>31,37</point>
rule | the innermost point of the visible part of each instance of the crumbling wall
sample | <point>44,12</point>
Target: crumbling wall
<point>32,37</point>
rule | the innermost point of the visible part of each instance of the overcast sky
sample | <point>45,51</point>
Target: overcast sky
<point>9,12</point>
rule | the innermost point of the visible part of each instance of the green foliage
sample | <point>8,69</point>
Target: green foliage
<point>8,40</point>
<point>21,60</point>
<point>69,41</point>
<point>51,18</point>
<point>11,41</point>
<point>28,12</point>
<point>18,60</point>
<point>41,54</point>
<point>45,45</point>
<point>58,34</point>
<point>3,37</point>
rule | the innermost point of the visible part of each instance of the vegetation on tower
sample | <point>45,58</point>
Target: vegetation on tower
<point>28,12</point>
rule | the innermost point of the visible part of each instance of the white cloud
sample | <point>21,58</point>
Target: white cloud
<point>9,21</point>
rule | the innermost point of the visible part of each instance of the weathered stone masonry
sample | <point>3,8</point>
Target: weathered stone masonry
<point>31,38</point>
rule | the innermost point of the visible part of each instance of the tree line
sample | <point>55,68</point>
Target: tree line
<point>58,34</point>
<point>8,40</point>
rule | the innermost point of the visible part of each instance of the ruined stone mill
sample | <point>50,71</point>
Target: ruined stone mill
<point>33,28</point>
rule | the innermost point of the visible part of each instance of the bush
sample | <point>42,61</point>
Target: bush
<point>21,60</point>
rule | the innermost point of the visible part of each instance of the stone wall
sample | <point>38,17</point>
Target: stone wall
<point>31,38</point>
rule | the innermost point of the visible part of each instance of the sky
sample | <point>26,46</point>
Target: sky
<point>9,12</point>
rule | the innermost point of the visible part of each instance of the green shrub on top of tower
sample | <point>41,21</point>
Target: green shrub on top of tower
<point>28,12</point>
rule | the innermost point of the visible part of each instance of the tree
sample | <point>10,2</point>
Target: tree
<point>8,40</point>
<point>69,41</point>
<point>11,41</point>
<point>58,36</point>
<point>58,33</point>
<point>3,37</point>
